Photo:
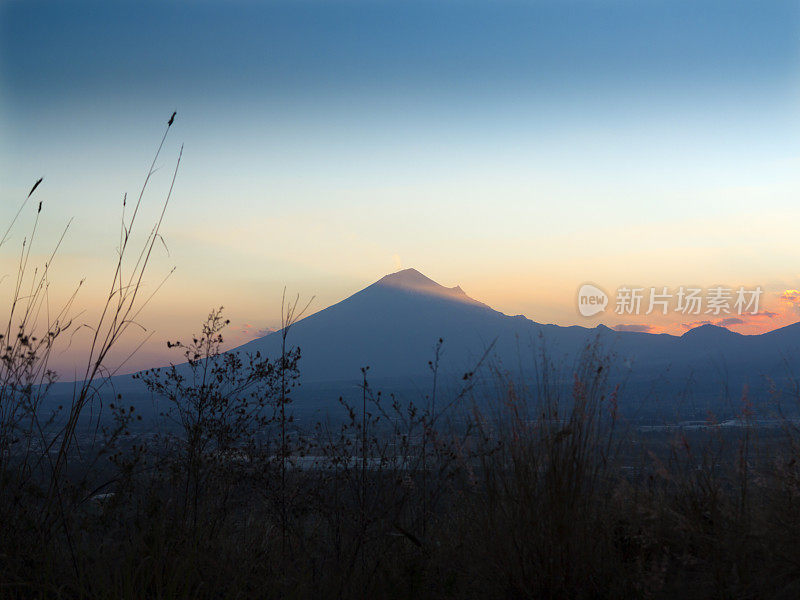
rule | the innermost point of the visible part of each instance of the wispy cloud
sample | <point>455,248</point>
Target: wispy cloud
<point>727,322</point>
<point>745,319</point>
<point>634,327</point>
<point>694,324</point>
<point>251,331</point>
<point>792,298</point>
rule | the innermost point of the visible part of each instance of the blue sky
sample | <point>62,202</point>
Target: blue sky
<point>516,148</point>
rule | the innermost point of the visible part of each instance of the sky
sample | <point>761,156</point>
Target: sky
<point>517,149</point>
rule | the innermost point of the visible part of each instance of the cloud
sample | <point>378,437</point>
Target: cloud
<point>634,327</point>
<point>255,332</point>
<point>727,322</point>
<point>792,298</point>
<point>768,314</point>
<point>694,324</point>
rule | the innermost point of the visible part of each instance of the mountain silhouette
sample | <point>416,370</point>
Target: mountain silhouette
<point>393,327</point>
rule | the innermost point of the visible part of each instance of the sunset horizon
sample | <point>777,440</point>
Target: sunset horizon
<point>660,151</point>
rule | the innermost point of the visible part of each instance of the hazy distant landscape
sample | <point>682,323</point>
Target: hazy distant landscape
<point>393,327</point>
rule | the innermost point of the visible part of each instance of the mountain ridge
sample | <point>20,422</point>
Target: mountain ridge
<point>393,324</point>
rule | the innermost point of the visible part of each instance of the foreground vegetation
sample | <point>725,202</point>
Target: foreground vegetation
<point>392,504</point>
<point>548,495</point>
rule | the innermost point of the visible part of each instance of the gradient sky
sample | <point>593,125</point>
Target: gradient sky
<point>519,149</point>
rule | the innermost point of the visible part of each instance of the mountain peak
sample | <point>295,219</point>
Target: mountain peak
<point>411,280</point>
<point>709,330</point>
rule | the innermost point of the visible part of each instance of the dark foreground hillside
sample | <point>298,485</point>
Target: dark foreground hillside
<point>547,496</point>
